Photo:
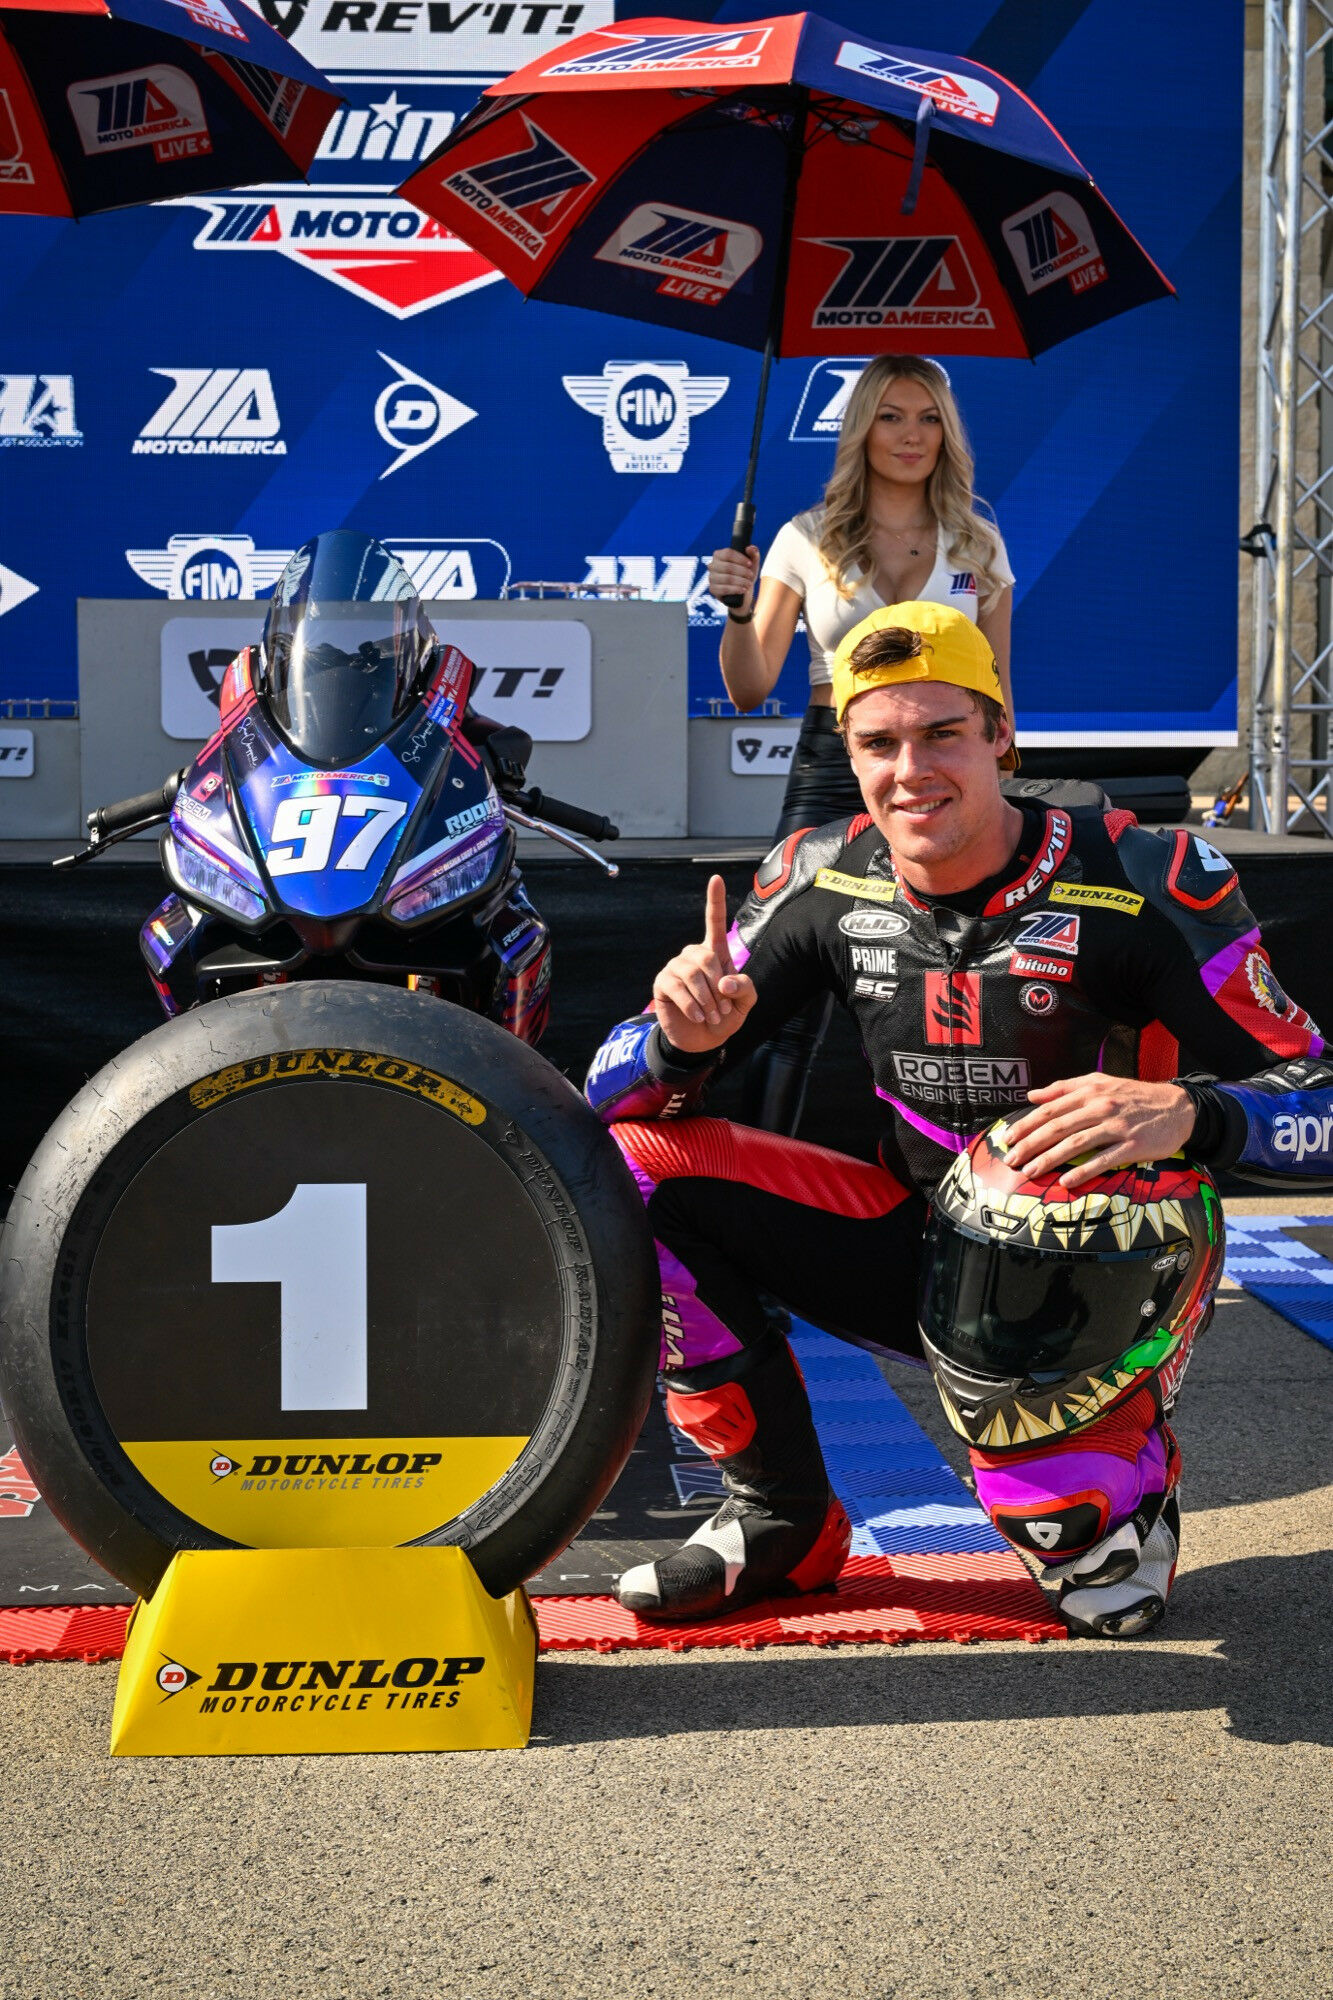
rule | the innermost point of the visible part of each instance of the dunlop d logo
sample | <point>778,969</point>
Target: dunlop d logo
<point>296,1063</point>
<point>1091,896</point>
<point>864,887</point>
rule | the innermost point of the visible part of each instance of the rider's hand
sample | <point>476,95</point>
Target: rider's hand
<point>731,574</point>
<point>699,997</point>
<point>1115,1121</point>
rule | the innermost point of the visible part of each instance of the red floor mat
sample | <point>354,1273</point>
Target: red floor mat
<point>887,1598</point>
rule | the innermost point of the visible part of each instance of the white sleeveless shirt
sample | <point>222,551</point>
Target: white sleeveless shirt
<point>795,560</point>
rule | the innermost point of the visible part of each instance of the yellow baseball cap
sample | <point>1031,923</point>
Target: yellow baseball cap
<point>953,650</point>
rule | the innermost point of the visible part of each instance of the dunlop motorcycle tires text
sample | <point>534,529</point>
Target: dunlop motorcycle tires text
<point>327,1264</point>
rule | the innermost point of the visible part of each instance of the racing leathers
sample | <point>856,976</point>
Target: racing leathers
<point>1102,946</point>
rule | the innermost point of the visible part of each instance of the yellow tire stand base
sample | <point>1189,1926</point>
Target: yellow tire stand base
<point>285,1652</point>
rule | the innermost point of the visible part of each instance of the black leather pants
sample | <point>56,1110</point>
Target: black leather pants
<point>820,788</point>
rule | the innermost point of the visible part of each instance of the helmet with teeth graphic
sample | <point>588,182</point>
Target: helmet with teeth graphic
<point>1041,1307</point>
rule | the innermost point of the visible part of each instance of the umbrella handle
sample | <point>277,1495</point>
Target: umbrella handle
<point>742,530</point>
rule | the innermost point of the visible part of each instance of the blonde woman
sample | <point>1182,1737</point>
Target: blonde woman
<point>898,523</point>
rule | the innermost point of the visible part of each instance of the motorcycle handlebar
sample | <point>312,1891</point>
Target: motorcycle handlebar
<point>130,812</point>
<point>593,826</point>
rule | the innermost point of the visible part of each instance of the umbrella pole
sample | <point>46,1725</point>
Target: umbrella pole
<point>742,527</point>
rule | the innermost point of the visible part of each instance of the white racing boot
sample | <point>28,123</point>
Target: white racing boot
<point>1119,1588</point>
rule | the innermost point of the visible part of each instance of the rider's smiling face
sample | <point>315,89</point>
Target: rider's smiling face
<point>930,780</point>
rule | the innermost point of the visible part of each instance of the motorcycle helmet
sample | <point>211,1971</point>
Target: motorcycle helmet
<point>346,649</point>
<point>1041,1308</point>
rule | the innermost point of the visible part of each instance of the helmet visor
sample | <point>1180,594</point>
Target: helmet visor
<point>1009,1310</point>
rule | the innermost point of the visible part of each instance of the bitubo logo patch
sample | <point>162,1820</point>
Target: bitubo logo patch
<point>1301,1136</point>
<point>965,96</point>
<point>158,106</point>
<point>919,282</point>
<point>212,412</point>
<point>326,1686</point>
<point>646,408</point>
<point>695,256</point>
<point>524,193</point>
<point>1052,240</point>
<point>37,409</point>
<point>412,414</point>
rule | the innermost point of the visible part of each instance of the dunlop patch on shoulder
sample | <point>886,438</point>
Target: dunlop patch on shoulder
<point>1088,894</point>
<point>289,1064</point>
<point>862,886</point>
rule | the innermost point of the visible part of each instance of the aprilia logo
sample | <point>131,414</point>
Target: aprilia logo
<point>903,281</point>
<point>525,193</point>
<point>953,1008</point>
<point>227,412</point>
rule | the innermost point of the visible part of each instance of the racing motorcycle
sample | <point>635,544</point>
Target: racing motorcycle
<point>352,816</point>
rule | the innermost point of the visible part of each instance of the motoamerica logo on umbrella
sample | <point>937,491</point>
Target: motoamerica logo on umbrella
<point>524,193</point>
<point>349,226</point>
<point>641,55</point>
<point>908,281</point>
<point>157,106</point>
<point>699,257</point>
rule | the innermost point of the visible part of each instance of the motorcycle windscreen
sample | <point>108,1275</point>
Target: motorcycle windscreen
<point>338,683</point>
<point>1008,1310</point>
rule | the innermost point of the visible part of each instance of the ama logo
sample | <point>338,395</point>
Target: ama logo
<point>158,107</point>
<point>692,256</point>
<point>524,193</point>
<point>350,226</point>
<point>1052,240</point>
<point>965,96</point>
<point>645,55</point>
<point>645,408</point>
<point>918,282</point>
<point>38,410</point>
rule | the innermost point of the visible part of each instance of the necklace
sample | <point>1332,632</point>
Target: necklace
<point>905,535</point>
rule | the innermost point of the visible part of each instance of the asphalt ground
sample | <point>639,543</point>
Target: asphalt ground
<point>1149,1817</point>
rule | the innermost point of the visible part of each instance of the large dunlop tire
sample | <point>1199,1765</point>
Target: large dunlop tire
<point>509,1277</point>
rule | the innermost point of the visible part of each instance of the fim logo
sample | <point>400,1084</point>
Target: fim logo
<point>695,257</point>
<point>412,414</point>
<point>645,408</point>
<point>921,282</point>
<point>214,567</point>
<point>525,194</point>
<point>173,1678</point>
<point>824,400</point>
<point>158,107</point>
<point>214,412</point>
<point>1052,240</point>
<point>37,409</point>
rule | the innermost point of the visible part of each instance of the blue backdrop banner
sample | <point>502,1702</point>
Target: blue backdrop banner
<point>189,390</point>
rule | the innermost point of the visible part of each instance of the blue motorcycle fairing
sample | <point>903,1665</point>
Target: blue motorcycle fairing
<point>326,839</point>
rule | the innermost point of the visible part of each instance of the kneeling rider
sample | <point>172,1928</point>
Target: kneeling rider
<point>1001,961</point>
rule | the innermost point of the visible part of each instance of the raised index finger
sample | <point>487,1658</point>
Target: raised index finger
<point>715,924</point>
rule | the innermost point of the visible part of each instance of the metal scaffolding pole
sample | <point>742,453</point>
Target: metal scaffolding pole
<point>1291,715</point>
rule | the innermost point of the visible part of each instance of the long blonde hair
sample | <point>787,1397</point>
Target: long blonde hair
<point>843,524</point>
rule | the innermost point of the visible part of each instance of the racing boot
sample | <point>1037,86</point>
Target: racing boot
<point>781,1529</point>
<point>1119,1589</point>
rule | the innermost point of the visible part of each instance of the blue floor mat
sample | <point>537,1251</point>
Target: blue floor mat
<point>1286,1274</point>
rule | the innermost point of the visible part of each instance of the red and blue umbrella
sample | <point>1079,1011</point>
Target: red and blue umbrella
<point>785,184</point>
<point>108,103</point>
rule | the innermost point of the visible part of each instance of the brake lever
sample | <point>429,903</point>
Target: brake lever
<point>558,833</point>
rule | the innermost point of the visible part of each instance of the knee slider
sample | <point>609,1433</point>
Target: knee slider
<point>721,1421</point>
